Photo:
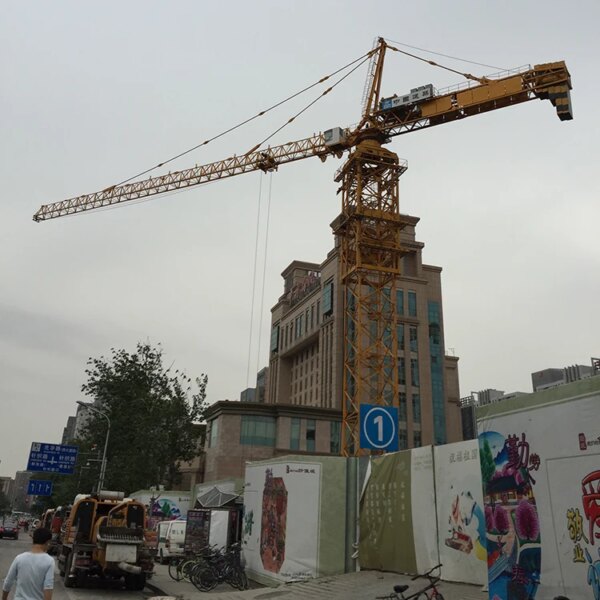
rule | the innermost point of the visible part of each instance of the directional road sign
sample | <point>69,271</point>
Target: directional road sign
<point>52,458</point>
<point>37,487</point>
<point>379,427</point>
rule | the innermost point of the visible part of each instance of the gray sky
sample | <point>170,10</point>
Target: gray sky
<point>94,93</point>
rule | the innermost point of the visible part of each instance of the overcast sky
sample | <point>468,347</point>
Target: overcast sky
<point>94,93</point>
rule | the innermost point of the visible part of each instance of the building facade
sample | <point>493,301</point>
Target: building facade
<point>238,432</point>
<point>307,337</point>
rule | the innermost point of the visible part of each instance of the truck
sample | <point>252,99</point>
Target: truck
<point>105,536</point>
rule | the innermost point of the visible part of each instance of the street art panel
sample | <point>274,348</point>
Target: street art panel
<point>540,469</point>
<point>460,512</point>
<point>281,520</point>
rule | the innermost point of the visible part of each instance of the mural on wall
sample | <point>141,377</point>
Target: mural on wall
<point>540,463</point>
<point>166,508</point>
<point>575,493</point>
<point>586,540</point>
<point>273,522</point>
<point>460,512</point>
<point>508,471</point>
<point>281,521</point>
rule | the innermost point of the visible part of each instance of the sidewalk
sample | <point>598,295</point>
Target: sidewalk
<point>365,585</point>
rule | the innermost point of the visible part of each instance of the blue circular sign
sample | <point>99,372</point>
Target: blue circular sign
<point>378,427</point>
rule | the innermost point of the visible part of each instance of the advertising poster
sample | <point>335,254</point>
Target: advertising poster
<point>460,512</point>
<point>397,504</point>
<point>281,520</point>
<point>197,531</point>
<point>541,474</point>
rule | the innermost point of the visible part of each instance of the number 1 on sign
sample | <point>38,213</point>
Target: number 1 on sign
<point>378,420</point>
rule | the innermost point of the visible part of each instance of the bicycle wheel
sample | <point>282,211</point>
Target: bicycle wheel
<point>204,577</point>
<point>186,568</point>
<point>174,569</point>
<point>437,596</point>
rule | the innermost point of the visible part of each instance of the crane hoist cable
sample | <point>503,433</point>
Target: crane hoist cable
<point>264,273</point>
<point>246,121</point>
<point>253,294</point>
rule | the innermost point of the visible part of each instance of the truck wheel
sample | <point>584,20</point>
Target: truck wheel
<point>69,581</point>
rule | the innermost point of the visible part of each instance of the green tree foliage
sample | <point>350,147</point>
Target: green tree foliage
<point>488,467</point>
<point>152,413</point>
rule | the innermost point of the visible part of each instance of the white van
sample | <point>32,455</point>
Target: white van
<point>171,535</point>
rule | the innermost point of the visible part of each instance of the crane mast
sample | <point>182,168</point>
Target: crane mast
<point>370,224</point>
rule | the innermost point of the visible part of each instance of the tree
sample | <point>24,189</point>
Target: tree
<point>488,467</point>
<point>152,414</point>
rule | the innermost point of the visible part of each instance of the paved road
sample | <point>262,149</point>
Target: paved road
<point>366,585</point>
<point>10,548</point>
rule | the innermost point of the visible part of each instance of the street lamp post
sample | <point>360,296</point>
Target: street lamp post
<point>103,464</point>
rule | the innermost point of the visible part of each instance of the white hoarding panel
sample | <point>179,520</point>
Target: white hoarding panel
<point>281,522</point>
<point>541,476</point>
<point>460,512</point>
<point>423,507</point>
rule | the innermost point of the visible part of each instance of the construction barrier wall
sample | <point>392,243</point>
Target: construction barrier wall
<point>460,513</point>
<point>294,522</point>
<point>397,531</point>
<point>540,462</point>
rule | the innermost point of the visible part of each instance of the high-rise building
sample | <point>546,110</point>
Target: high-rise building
<point>298,408</point>
<point>307,337</point>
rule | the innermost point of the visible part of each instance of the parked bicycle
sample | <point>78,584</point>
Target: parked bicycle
<point>218,566</point>
<point>429,592</point>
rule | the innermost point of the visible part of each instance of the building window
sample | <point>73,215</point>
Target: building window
<point>312,316</point>
<point>295,434</point>
<point>412,304</point>
<point>214,432</point>
<point>275,338</point>
<point>400,302</point>
<point>413,339</point>
<point>310,435</point>
<point>306,317</point>
<point>257,431</point>
<point>437,373</point>
<point>401,371</point>
<point>334,439</point>
<point>402,408</point>
<point>402,439</point>
<point>318,311</point>
<point>416,408</point>
<point>328,298</point>
<point>400,335</point>
<point>417,439</point>
<point>414,371</point>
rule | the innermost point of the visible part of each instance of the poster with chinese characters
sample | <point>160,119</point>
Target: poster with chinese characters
<point>281,521</point>
<point>396,510</point>
<point>540,468</point>
<point>460,512</point>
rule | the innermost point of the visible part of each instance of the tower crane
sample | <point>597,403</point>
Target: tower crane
<point>370,223</point>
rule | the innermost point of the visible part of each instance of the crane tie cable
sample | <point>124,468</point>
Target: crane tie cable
<point>293,118</point>
<point>433,63</point>
<point>448,56</point>
<point>242,123</point>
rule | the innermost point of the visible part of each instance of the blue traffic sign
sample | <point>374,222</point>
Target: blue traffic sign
<point>379,427</point>
<point>37,487</point>
<point>52,458</point>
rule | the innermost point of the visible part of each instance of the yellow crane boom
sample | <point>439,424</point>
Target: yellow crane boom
<point>548,81</point>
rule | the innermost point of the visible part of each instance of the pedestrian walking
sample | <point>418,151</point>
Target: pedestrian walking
<point>32,571</point>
